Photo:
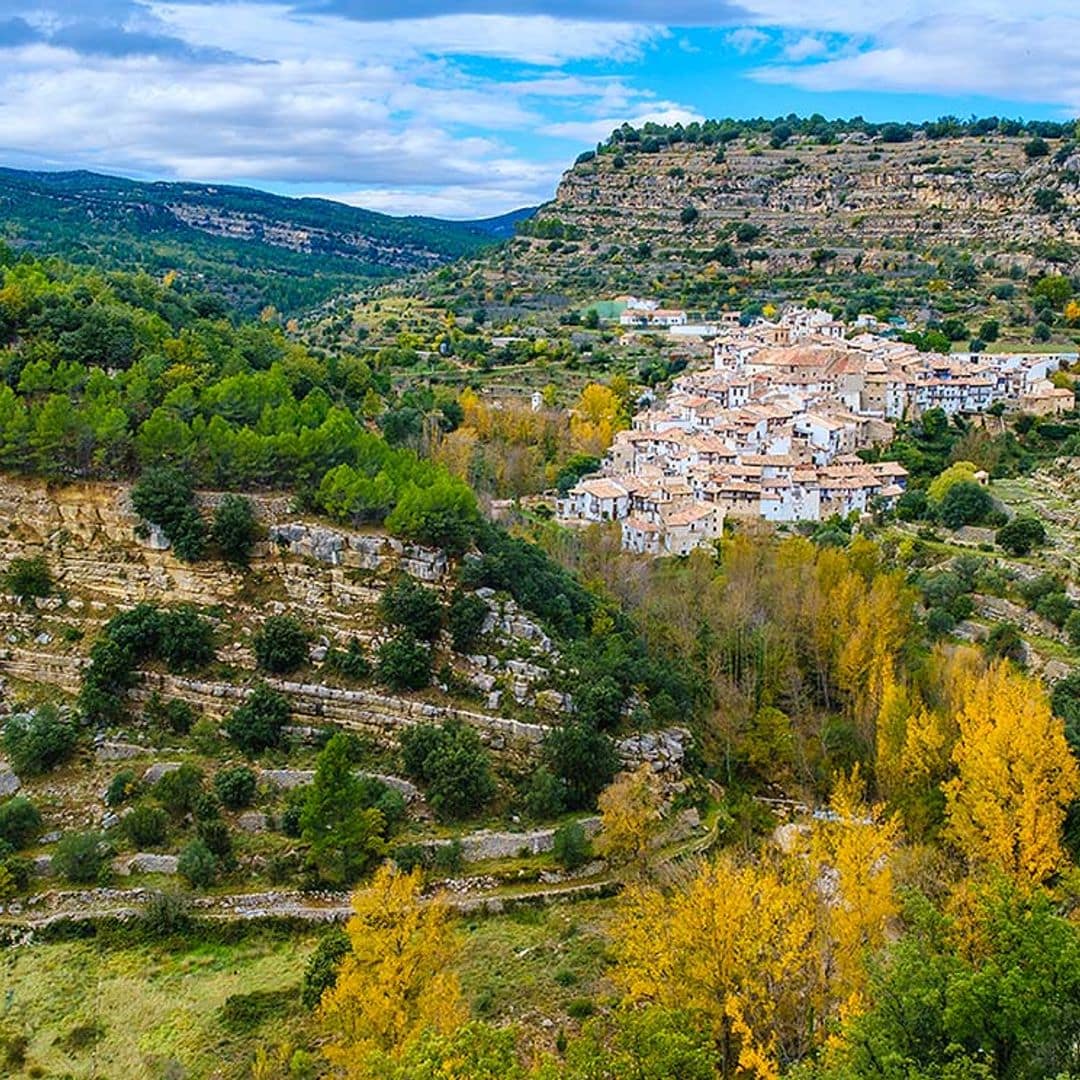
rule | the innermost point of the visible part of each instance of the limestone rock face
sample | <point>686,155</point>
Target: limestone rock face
<point>361,551</point>
<point>252,821</point>
<point>159,769</point>
<point>146,862</point>
<point>664,751</point>
<point>860,200</point>
<point>118,751</point>
<point>94,542</point>
<point>9,782</point>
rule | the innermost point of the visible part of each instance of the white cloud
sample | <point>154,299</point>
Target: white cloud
<point>994,48</point>
<point>591,131</point>
<point>803,47</point>
<point>459,202</point>
<point>1033,58</point>
<point>256,94</point>
<point>747,39</point>
<point>452,111</point>
<point>532,39</point>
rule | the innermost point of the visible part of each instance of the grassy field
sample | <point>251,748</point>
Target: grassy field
<point>537,965</point>
<point>105,1009</point>
<point>88,1009</point>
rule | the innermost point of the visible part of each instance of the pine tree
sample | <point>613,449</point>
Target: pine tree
<point>343,837</point>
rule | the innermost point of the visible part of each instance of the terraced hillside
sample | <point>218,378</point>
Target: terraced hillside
<point>869,206</point>
<point>922,227</point>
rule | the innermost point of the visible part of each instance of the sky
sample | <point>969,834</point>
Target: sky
<point>470,108</point>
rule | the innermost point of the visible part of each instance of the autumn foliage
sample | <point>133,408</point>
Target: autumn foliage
<point>1015,777</point>
<point>397,982</point>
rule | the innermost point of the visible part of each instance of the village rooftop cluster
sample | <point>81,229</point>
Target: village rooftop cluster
<point>772,428</point>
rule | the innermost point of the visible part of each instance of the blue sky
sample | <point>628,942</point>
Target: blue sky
<point>466,109</point>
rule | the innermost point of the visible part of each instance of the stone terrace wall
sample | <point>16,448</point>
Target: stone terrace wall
<point>88,532</point>
<point>380,715</point>
<point>383,716</point>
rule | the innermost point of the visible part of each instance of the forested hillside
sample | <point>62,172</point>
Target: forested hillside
<point>327,751</point>
<point>255,248</point>
<point>106,375</point>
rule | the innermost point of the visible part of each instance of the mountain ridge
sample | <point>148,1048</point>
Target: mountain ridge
<point>707,225</point>
<point>258,247</point>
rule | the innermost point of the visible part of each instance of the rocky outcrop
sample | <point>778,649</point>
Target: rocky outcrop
<point>998,609</point>
<point>159,769</point>
<point>361,551</point>
<point>663,751</point>
<point>88,532</point>
<point>146,862</point>
<point>9,782</point>
<point>507,620</point>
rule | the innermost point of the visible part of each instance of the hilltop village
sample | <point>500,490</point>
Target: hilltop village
<point>773,428</point>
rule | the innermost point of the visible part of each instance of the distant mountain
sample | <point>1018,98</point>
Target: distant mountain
<point>505,224</point>
<point>256,247</point>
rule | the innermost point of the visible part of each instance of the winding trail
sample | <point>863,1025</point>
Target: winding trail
<point>59,906</point>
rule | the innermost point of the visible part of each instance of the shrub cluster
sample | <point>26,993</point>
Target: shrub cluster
<point>29,579</point>
<point>257,725</point>
<point>180,637</point>
<point>454,766</point>
<point>37,741</point>
<point>280,644</point>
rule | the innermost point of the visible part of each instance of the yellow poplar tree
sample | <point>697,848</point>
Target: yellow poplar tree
<point>475,413</point>
<point>851,850</point>
<point>595,419</point>
<point>456,451</point>
<point>958,472</point>
<point>893,720</point>
<point>631,817</point>
<point>397,982</point>
<point>1015,777</point>
<point>877,625</point>
<point>735,948</point>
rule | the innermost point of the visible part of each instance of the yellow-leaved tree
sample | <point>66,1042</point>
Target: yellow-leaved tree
<point>396,982</point>
<point>735,948</point>
<point>874,613</point>
<point>1015,777</point>
<point>851,852</point>
<point>958,472</point>
<point>631,817</point>
<point>596,417</point>
<point>915,737</point>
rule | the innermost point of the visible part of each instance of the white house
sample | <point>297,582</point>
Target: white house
<point>597,499</point>
<point>677,532</point>
<point>667,317</point>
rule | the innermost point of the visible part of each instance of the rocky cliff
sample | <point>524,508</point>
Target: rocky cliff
<point>330,579</point>
<point>637,220</point>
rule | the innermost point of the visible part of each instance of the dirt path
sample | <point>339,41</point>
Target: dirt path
<point>468,895</point>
